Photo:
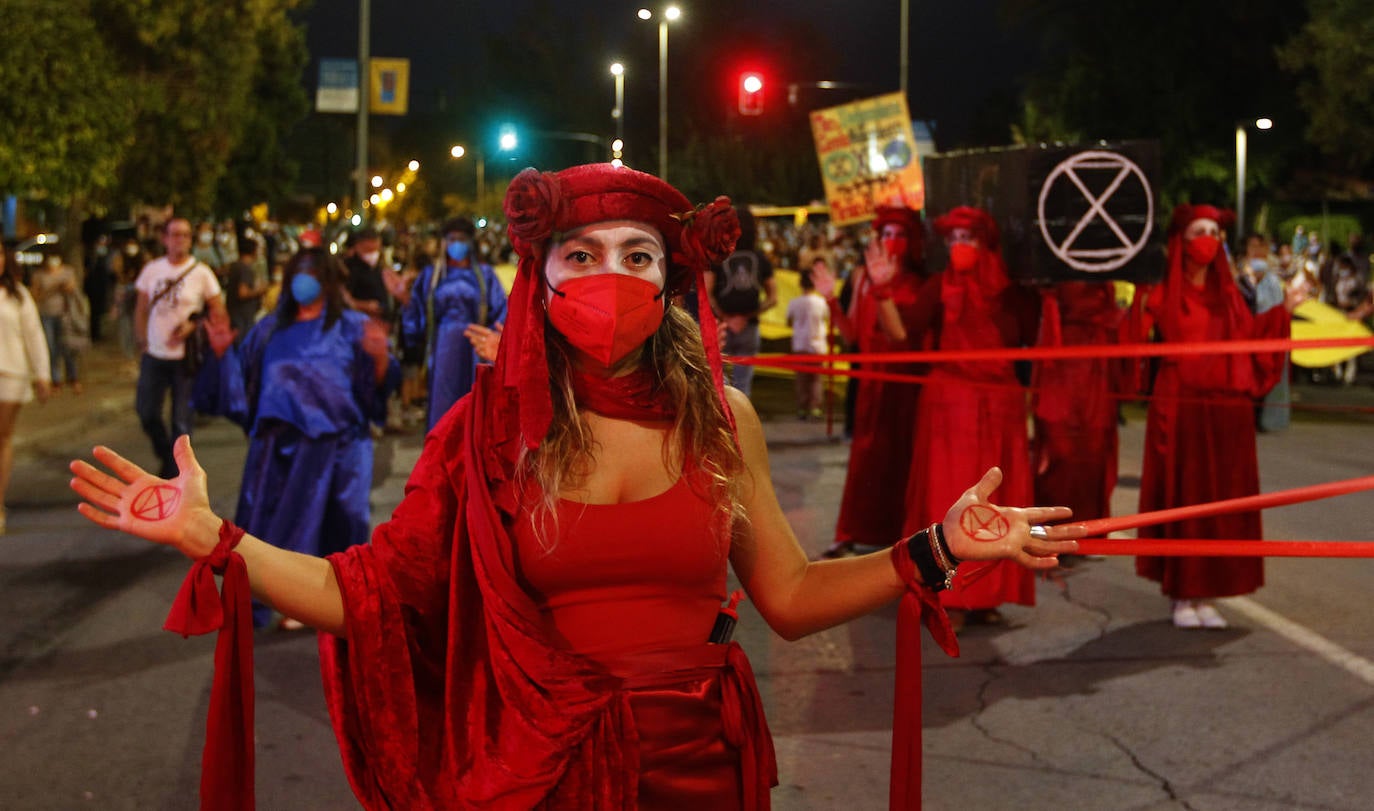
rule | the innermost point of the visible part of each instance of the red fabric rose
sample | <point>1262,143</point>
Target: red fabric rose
<point>709,234</point>
<point>532,205</point>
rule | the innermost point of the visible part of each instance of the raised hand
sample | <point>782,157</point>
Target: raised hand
<point>881,267</point>
<point>173,512</point>
<point>487,342</point>
<point>977,529</point>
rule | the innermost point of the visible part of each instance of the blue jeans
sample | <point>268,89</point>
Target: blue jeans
<point>58,353</point>
<point>157,377</point>
<point>745,343</point>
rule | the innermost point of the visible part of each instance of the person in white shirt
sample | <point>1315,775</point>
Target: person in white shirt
<point>24,369</point>
<point>171,290</point>
<point>809,317</point>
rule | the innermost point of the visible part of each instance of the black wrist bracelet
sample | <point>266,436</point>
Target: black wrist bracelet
<point>918,546</point>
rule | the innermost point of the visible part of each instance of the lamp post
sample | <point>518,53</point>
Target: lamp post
<point>1242,142</point>
<point>364,54</point>
<point>618,71</point>
<point>670,14</point>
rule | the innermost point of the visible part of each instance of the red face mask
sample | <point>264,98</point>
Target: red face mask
<point>896,247</point>
<point>1201,250</point>
<point>963,257</point>
<point>606,315</point>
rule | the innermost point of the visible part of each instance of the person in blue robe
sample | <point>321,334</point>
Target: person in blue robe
<point>306,383</point>
<point>453,292</point>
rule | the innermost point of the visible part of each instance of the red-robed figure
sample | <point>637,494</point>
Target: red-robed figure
<point>1075,408</point>
<point>889,311</point>
<point>1200,433</point>
<point>973,414</point>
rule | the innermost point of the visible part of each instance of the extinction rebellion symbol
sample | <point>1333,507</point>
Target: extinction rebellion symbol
<point>156,503</point>
<point>1118,237</point>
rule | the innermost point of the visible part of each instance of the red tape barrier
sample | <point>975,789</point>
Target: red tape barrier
<point>1137,350</point>
<point>1171,547</point>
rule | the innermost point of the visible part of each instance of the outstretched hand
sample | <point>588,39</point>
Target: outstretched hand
<point>977,529</point>
<point>173,512</point>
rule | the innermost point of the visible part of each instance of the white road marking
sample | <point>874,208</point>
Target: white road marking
<point>1302,636</point>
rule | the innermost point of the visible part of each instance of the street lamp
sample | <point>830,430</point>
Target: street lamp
<point>618,71</point>
<point>670,14</point>
<point>459,151</point>
<point>1241,144</point>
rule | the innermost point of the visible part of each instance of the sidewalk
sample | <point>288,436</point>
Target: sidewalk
<point>108,379</point>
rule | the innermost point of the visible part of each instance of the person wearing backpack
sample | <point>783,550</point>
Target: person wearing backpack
<point>741,288</point>
<point>171,291</point>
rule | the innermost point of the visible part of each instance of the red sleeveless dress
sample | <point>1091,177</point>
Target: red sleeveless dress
<point>636,587</point>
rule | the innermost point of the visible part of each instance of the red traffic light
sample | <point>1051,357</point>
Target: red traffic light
<point>750,94</point>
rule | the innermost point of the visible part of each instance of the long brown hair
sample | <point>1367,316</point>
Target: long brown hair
<point>702,438</point>
<point>9,275</point>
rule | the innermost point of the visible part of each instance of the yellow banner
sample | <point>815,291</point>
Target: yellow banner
<point>867,154</point>
<point>389,86</point>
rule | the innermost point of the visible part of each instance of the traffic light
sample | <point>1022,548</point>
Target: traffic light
<point>750,94</point>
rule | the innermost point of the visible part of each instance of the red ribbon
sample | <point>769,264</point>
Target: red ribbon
<point>904,787</point>
<point>1126,350</point>
<point>1225,548</point>
<point>226,776</point>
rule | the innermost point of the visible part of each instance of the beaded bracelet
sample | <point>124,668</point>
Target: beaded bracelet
<point>932,557</point>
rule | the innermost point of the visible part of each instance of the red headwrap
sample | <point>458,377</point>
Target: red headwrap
<point>1232,372</point>
<point>974,290</point>
<point>981,223</point>
<point>541,207</point>
<point>915,234</point>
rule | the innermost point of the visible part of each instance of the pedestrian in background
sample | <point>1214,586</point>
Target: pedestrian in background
<point>25,371</point>
<point>455,291</point>
<point>171,291</point>
<point>809,317</point>
<point>741,288</point>
<point>53,289</point>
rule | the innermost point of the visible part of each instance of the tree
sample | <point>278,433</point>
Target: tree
<point>1184,74</point>
<point>64,112</point>
<point>1333,55</point>
<point>260,169</point>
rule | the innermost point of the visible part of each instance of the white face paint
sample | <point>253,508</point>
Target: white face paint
<point>618,246</point>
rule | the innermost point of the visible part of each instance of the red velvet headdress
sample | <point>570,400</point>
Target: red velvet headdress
<point>540,207</point>
<point>911,221</point>
<point>976,220</point>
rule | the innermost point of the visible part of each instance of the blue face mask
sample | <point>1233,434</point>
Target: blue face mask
<point>305,289</point>
<point>458,250</point>
<point>1259,265</point>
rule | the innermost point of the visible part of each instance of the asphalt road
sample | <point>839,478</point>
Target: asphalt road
<point>1090,700</point>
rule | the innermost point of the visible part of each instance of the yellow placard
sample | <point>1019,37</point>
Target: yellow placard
<point>1315,320</point>
<point>867,154</point>
<point>388,86</point>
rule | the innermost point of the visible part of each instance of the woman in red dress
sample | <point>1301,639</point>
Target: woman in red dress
<point>1200,433</point>
<point>889,311</point>
<point>535,624</point>
<point>972,415</point>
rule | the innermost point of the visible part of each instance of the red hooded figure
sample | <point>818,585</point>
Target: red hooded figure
<point>888,313</point>
<point>972,415</point>
<point>1200,435</point>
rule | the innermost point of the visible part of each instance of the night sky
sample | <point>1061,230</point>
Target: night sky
<point>961,57</point>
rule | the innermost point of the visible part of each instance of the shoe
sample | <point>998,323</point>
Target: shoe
<point>985,616</point>
<point>1208,615</point>
<point>77,388</point>
<point>816,413</point>
<point>1185,615</point>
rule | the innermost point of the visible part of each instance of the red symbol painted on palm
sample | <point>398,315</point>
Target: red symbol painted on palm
<point>983,523</point>
<point>155,503</point>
